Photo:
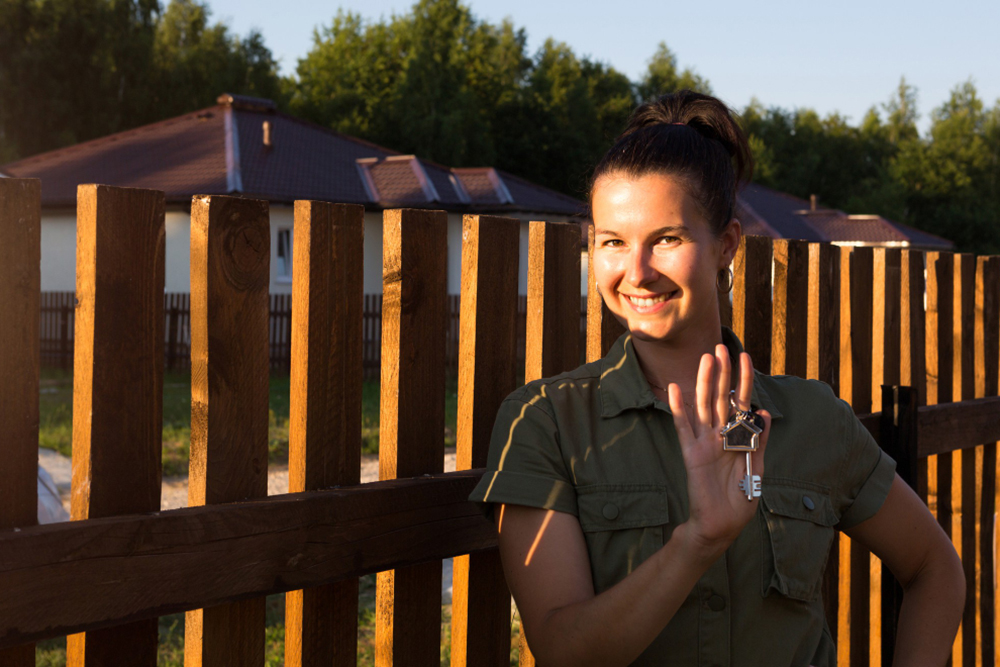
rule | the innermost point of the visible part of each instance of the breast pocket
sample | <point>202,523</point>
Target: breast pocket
<point>623,525</point>
<point>798,522</point>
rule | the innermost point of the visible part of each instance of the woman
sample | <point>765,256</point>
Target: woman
<point>626,531</point>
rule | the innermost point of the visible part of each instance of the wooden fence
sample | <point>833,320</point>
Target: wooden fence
<point>856,318</point>
<point>57,325</point>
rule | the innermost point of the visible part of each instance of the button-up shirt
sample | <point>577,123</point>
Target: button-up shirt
<point>597,444</point>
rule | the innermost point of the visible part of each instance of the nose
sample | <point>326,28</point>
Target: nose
<point>639,270</point>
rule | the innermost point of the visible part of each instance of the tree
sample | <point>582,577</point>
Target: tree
<point>72,70</point>
<point>662,76</point>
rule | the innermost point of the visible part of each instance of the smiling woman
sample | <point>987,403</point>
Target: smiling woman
<point>632,531</point>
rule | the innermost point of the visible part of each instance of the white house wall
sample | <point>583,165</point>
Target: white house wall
<point>58,264</point>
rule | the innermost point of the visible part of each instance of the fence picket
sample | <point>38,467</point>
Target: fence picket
<point>822,350</point>
<point>752,299</point>
<point>20,280</point>
<point>230,256</point>
<point>886,295</point>
<point>790,314</point>
<point>117,383</point>
<point>965,387</point>
<point>411,440</point>
<point>987,367</point>
<point>856,330</point>
<point>324,448</point>
<point>603,328</point>
<point>480,609</point>
<point>553,317</point>
<point>553,299</point>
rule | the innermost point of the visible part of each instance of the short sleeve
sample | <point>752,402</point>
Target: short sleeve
<point>867,472</point>
<point>525,465</point>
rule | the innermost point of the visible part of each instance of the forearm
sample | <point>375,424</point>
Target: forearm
<point>930,615</point>
<point>614,627</point>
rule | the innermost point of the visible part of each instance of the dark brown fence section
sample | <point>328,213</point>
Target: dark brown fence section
<point>927,320</point>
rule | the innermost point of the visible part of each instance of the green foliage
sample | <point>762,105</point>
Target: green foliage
<point>438,82</point>
<point>947,183</point>
<point>72,70</point>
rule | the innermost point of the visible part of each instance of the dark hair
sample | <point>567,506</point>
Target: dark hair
<point>690,136</point>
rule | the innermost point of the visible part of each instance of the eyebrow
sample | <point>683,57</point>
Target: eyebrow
<point>669,229</point>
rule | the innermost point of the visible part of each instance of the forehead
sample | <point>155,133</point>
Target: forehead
<point>624,204</point>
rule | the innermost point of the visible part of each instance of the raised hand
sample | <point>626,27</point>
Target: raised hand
<point>718,508</point>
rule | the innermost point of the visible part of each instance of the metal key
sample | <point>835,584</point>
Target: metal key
<point>750,484</point>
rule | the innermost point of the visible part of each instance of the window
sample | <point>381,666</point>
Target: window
<point>284,255</point>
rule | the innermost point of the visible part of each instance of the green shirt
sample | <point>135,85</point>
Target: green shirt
<point>597,444</point>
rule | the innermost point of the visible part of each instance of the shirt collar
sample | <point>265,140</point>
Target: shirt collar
<point>624,387</point>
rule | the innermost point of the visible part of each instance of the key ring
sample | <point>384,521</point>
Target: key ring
<point>742,434</point>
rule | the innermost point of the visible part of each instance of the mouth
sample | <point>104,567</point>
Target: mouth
<point>649,303</point>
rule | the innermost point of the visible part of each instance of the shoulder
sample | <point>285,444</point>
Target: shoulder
<point>556,394</point>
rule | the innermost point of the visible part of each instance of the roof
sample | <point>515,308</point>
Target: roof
<point>243,145</point>
<point>767,212</point>
<point>842,228</point>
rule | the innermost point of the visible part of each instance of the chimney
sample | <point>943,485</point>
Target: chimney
<point>267,134</point>
<point>813,201</point>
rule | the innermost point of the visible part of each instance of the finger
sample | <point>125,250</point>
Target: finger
<point>675,397</point>
<point>722,386</point>
<point>745,389</point>
<point>704,391</point>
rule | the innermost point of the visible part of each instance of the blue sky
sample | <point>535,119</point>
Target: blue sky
<point>831,56</point>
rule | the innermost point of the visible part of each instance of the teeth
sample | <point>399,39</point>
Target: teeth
<point>648,302</point>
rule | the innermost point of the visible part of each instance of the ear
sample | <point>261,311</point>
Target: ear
<point>730,242</point>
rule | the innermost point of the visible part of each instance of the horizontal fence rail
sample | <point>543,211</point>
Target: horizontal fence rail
<point>870,322</point>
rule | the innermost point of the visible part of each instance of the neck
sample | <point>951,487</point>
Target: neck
<point>676,360</point>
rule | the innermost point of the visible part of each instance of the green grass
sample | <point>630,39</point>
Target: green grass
<point>56,417</point>
<point>52,653</point>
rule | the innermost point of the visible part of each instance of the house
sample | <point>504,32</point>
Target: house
<point>767,212</point>
<point>244,146</point>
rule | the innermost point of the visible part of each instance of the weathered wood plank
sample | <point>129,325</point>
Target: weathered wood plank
<point>230,260</point>
<point>324,448</point>
<point>104,572</point>
<point>117,382</point>
<point>822,362</point>
<point>987,366</point>
<point>411,438</point>
<point>885,342</point>
<point>790,316</point>
<point>912,363</point>
<point>966,493</point>
<point>553,299</point>
<point>480,599</point>
<point>553,321</point>
<point>20,286</point>
<point>860,304</point>
<point>752,299</point>
<point>603,328</point>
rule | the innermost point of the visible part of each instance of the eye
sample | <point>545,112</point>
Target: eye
<point>667,240</point>
<point>613,243</point>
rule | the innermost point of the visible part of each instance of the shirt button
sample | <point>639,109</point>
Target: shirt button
<point>808,502</point>
<point>610,511</point>
<point>716,603</point>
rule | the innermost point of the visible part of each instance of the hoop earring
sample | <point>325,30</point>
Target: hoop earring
<point>724,280</point>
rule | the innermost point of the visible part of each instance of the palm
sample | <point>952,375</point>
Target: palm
<point>718,508</point>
